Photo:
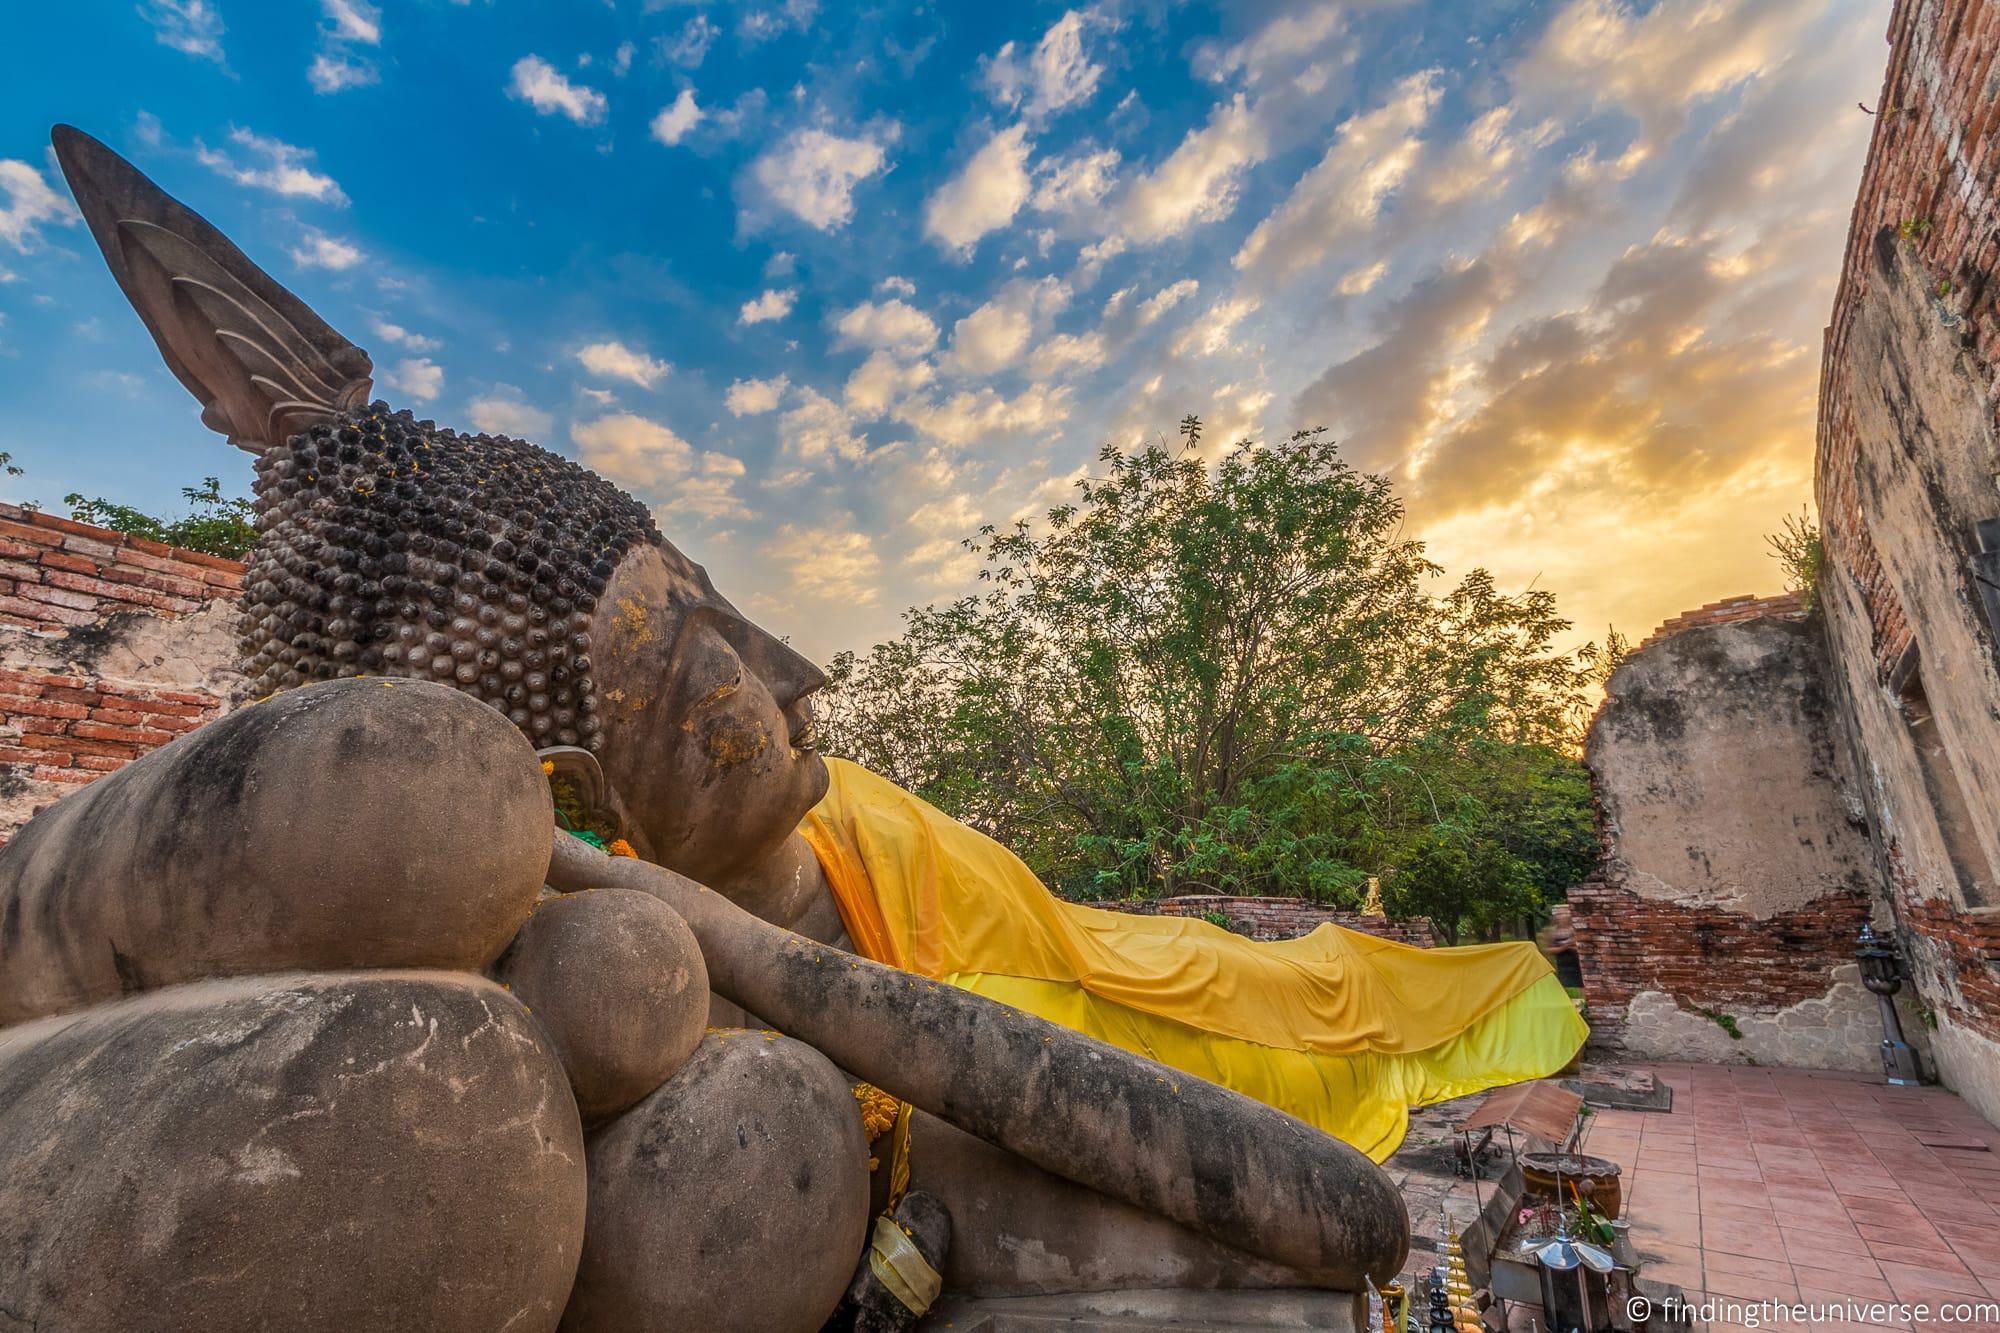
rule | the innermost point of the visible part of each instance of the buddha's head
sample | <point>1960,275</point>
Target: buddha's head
<point>389,546</point>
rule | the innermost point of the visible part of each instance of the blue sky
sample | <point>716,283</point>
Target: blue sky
<point>832,284</point>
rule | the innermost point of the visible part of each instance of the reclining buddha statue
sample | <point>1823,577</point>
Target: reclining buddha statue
<point>515,959</point>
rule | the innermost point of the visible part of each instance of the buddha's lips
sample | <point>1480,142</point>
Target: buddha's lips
<point>805,734</point>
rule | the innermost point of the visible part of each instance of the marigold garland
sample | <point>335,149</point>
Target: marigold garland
<point>878,1110</point>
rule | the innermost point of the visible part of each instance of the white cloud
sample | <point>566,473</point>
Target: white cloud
<point>942,561</point>
<point>812,175</point>
<point>1476,164</point>
<point>690,45</point>
<point>1279,47</point>
<point>881,380</point>
<point>762,25</point>
<point>676,120</point>
<point>896,286</point>
<point>1658,63</point>
<point>353,21</point>
<point>331,73</point>
<point>773,304</point>
<point>829,564</point>
<point>1160,302</point>
<point>1092,258</point>
<point>402,337</point>
<point>419,377</point>
<point>320,250</point>
<point>283,168</point>
<point>995,335</point>
<point>349,23</point>
<point>650,457</point>
<point>750,398</point>
<point>614,360</point>
<point>818,428</point>
<point>983,197</point>
<point>1359,280</point>
<point>1076,184</point>
<point>975,415</point>
<point>542,86</point>
<point>1209,335</point>
<point>1057,74</point>
<point>1341,197</point>
<point>888,326</point>
<point>190,26</point>
<point>505,412</point>
<point>1198,182</point>
<point>30,202</point>
<point>1065,352</point>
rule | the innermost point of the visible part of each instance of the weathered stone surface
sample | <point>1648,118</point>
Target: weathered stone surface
<point>1019,1231</point>
<point>216,855</point>
<point>1151,1311</point>
<point>1206,1157</point>
<point>1841,1029</point>
<point>616,980</point>
<point>1737,868</point>
<point>1722,770</point>
<point>340,1152</point>
<point>1905,484</point>
<point>734,1197</point>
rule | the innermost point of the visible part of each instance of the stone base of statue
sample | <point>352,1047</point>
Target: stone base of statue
<point>1146,1310</point>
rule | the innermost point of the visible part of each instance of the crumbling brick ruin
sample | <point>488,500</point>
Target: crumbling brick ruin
<point>1886,718</point>
<point>1906,480</point>
<point>109,646</point>
<point>1736,871</point>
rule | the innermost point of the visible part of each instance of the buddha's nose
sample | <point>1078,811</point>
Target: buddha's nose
<point>789,674</point>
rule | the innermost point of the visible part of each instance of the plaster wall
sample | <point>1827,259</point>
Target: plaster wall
<point>1905,480</point>
<point>1840,1029</point>
<point>1736,870</point>
<point>1916,483</point>
<point>1719,771</point>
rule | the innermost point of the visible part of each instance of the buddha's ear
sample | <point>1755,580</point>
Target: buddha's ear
<point>579,767</point>
<point>262,364</point>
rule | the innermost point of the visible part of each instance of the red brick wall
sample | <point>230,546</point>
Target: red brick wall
<point>1276,918</point>
<point>1931,176</point>
<point>1933,181</point>
<point>1705,957</point>
<point>1728,610</point>
<point>66,591</point>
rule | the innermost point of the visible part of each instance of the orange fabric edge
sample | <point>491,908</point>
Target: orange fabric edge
<point>853,895</point>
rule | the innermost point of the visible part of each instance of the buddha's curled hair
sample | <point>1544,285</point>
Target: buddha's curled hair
<point>390,547</point>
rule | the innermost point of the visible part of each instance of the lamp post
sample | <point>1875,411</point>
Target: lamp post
<point>1882,974</point>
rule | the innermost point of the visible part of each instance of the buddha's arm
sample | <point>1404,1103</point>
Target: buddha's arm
<point>1199,1154</point>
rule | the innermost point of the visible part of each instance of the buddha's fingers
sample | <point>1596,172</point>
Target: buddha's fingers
<point>1204,1156</point>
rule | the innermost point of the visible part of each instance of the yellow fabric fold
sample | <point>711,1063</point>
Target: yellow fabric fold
<point>1339,1028</point>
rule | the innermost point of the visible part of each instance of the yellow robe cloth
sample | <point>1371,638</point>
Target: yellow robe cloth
<point>1339,1028</point>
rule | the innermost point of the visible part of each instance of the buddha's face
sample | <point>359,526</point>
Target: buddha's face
<point>707,719</point>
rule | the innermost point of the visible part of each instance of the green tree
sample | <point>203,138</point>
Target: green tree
<point>215,524</point>
<point>1238,678</point>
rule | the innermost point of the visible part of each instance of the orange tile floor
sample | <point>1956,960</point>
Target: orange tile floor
<point>1812,1187</point>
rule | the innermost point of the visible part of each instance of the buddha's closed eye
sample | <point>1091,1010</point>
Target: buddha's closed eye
<point>720,692</point>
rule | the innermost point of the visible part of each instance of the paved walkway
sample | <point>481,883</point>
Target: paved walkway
<point>1795,1186</point>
